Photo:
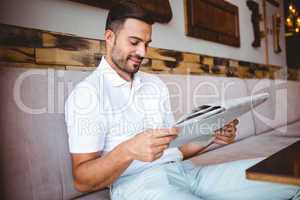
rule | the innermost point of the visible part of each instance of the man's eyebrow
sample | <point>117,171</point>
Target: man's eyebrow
<point>140,39</point>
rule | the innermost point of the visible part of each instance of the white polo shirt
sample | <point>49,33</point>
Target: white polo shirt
<point>105,110</point>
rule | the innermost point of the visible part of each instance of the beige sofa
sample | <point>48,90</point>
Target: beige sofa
<point>35,163</point>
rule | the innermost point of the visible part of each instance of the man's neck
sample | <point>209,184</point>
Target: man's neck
<point>125,75</point>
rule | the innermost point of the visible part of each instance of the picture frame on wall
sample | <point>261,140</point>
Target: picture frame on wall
<point>202,20</point>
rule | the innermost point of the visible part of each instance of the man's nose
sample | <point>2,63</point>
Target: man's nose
<point>141,50</point>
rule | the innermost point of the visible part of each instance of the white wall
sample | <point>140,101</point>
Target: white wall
<point>86,21</point>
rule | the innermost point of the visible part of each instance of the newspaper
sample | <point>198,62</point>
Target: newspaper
<point>199,125</point>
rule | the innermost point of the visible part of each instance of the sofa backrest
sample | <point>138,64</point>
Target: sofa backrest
<point>281,108</point>
<point>37,161</point>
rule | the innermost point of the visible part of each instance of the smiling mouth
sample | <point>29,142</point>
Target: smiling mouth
<point>136,61</point>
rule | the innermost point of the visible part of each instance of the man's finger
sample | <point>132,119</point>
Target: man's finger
<point>220,141</point>
<point>229,134</point>
<point>236,122</point>
<point>229,130</point>
<point>163,132</point>
<point>225,138</point>
<point>223,141</point>
<point>164,140</point>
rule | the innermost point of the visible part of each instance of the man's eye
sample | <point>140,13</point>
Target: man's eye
<point>134,43</point>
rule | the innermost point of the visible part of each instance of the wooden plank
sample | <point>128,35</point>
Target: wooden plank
<point>293,74</point>
<point>260,74</point>
<point>281,167</point>
<point>232,72</point>
<point>172,55</point>
<point>246,72</point>
<point>175,67</point>
<point>161,54</point>
<point>187,68</point>
<point>218,69</point>
<point>195,68</point>
<point>279,74</point>
<point>102,47</point>
<point>20,37</point>
<point>233,63</point>
<point>159,65</point>
<point>55,56</point>
<point>190,57</point>
<point>68,50</point>
<point>208,60</point>
<point>272,179</point>
<point>67,42</point>
<point>17,54</point>
<point>221,61</point>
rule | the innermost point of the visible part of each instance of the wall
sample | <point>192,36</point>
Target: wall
<point>85,21</point>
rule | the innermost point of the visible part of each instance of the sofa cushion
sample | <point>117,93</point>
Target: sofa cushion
<point>101,195</point>
<point>253,147</point>
<point>272,113</point>
<point>188,92</point>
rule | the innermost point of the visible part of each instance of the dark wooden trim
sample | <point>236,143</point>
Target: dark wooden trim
<point>160,9</point>
<point>274,2</point>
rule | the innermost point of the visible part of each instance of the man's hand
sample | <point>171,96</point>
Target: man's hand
<point>150,145</point>
<point>227,134</point>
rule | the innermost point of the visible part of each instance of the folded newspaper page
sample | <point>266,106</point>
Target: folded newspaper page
<point>199,125</point>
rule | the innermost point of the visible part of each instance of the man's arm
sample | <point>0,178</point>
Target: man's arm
<point>224,136</point>
<point>93,172</point>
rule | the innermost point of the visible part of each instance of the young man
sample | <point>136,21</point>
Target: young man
<point>119,125</point>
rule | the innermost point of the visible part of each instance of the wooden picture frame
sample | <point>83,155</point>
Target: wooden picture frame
<point>274,3</point>
<point>160,9</point>
<point>213,20</point>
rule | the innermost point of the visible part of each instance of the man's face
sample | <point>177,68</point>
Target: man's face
<point>130,45</point>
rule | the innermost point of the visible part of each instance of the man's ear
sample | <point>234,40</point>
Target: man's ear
<point>109,37</point>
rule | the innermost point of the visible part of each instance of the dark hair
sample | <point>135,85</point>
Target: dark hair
<point>124,10</point>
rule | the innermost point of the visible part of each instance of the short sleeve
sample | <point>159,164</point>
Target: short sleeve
<point>86,125</point>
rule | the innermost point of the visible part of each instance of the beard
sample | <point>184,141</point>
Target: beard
<point>127,63</point>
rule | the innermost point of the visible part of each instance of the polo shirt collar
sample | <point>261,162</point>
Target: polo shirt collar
<point>115,79</point>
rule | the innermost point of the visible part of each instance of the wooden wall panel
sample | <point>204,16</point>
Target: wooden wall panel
<point>20,37</point>
<point>17,54</point>
<point>66,50</point>
<point>43,49</point>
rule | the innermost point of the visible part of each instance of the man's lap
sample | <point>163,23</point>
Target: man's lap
<point>181,180</point>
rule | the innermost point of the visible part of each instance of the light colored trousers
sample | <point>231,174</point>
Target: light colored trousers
<point>183,181</point>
